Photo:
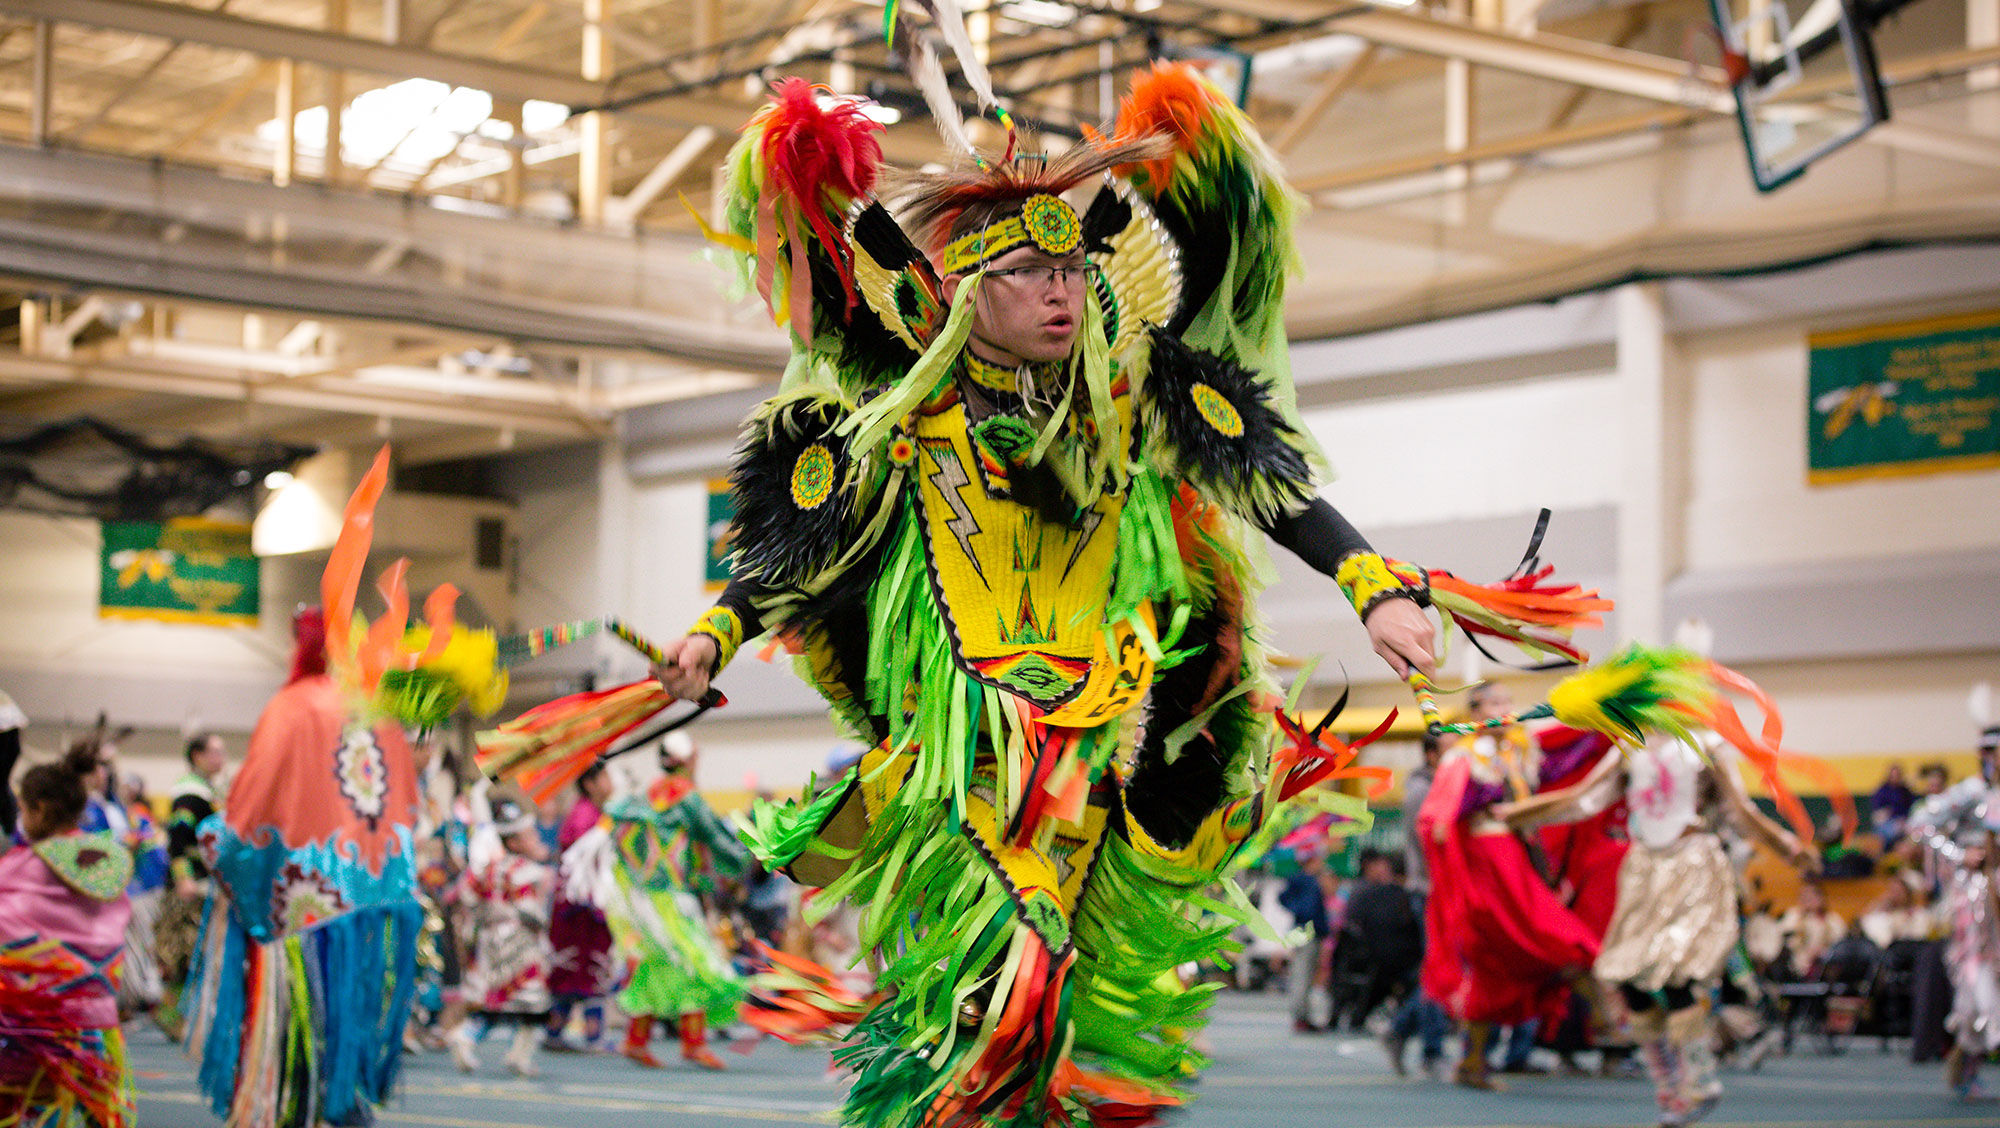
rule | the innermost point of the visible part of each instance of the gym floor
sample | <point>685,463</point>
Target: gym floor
<point>1264,1077</point>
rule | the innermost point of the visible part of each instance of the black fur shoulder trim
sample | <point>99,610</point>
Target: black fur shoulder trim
<point>1212,423</point>
<point>794,487</point>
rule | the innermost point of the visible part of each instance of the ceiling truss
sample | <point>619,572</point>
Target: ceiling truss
<point>657,89</point>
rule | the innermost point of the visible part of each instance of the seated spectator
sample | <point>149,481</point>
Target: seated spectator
<point>1837,858</point>
<point>1810,929</point>
<point>1932,779</point>
<point>1889,807</point>
<point>1895,915</point>
<point>1763,937</point>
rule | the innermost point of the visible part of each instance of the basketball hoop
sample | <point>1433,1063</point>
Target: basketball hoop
<point>1797,97</point>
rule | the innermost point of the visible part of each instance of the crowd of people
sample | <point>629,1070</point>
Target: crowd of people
<point>642,905</point>
<point>561,922</point>
<point>1009,513</point>
<point>1643,937</point>
<point>564,921</point>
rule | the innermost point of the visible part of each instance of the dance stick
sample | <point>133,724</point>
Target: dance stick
<point>521,647</point>
<point>1426,694</point>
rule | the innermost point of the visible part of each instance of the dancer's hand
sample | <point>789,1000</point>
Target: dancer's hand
<point>1803,856</point>
<point>685,671</point>
<point>1402,634</point>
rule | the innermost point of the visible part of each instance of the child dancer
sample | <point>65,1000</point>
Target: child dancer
<point>507,896</point>
<point>63,913</point>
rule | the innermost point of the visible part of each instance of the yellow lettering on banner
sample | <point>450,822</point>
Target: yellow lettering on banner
<point>1949,421</point>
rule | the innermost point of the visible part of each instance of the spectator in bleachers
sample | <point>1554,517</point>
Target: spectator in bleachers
<point>1838,857</point>
<point>1889,807</point>
<point>1895,915</point>
<point>1810,929</point>
<point>1763,937</point>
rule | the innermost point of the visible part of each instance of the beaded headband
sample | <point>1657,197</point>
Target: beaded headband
<point>1044,222</point>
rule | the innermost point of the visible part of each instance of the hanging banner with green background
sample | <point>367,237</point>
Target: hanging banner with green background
<point>1914,398</point>
<point>721,534</point>
<point>183,570</point>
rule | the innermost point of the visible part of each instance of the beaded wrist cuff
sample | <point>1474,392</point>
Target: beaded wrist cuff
<point>1367,579</point>
<point>726,628</point>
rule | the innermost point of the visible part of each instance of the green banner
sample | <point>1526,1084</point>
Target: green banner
<point>1915,398</point>
<point>721,535</point>
<point>185,570</point>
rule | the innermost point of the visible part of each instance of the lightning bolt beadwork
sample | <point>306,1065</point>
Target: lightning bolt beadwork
<point>949,478</point>
<point>1091,519</point>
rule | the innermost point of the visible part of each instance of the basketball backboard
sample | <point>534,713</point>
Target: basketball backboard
<point>1805,78</point>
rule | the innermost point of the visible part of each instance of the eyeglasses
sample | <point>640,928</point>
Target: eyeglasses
<point>1041,277</point>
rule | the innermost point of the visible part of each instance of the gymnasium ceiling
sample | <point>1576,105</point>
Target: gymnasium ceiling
<point>486,266</point>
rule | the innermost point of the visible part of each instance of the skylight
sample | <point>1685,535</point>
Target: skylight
<point>412,123</point>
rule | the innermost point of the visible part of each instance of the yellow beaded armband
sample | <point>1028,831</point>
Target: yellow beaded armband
<point>726,628</point>
<point>1367,579</point>
<point>1215,840</point>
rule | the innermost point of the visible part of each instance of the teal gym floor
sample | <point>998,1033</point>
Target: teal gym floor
<point>1264,1077</point>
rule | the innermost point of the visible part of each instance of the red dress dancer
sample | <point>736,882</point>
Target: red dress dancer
<point>581,973</point>
<point>1502,946</point>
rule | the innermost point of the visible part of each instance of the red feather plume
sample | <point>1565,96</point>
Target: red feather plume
<point>821,157</point>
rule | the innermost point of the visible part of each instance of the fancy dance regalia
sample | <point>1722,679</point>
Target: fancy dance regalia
<point>1960,829</point>
<point>306,966</point>
<point>1676,919</point>
<point>505,896</point>
<point>580,969</point>
<point>1499,935</point>
<point>1501,945</point>
<point>178,928</point>
<point>648,866</point>
<point>1027,590</point>
<point>63,913</point>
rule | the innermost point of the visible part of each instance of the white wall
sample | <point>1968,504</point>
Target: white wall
<point>765,753</point>
<point>1896,706</point>
<point>1750,506</point>
<point>61,661</point>
<point>668,543</point>
<point>1472,454</point>
<point>555,530</point>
